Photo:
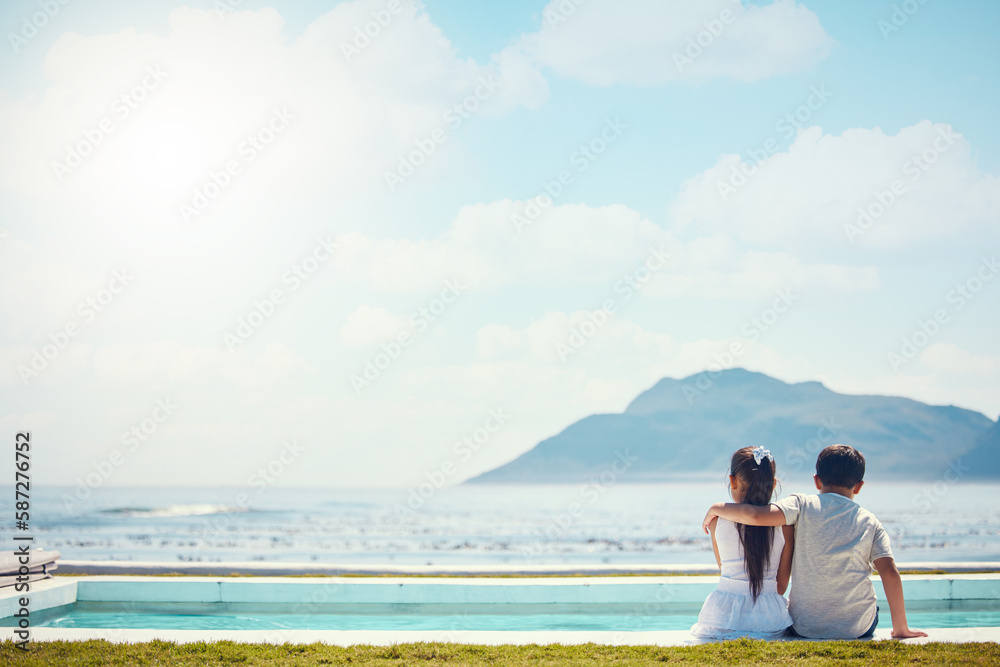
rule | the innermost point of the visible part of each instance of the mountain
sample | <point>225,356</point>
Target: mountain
<point>685,428</point>
<point>984,459</point>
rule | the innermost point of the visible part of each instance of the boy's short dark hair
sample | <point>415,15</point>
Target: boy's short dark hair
<point>840,465</point>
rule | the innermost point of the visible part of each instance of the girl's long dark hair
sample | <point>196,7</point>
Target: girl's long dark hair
<point>756,541</point>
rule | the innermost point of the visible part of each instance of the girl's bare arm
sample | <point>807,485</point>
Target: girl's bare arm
<point>715,545</point>
<point>785,564</point>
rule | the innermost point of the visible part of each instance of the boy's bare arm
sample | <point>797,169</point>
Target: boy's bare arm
<point>893,585</point>
<point>751,515</point>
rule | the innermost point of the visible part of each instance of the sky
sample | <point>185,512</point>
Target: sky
<point>374,243</point>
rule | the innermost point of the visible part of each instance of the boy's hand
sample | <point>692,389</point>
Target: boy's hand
<point>711,516</point>
<point>907,633</point>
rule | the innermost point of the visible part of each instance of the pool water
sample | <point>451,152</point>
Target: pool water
<point>439,617</point>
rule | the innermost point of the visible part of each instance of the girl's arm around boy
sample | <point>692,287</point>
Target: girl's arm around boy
<point>751,515</point>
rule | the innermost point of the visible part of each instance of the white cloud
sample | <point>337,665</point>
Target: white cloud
<point>41,366</point>
<point>161,362</point>
<point>949,358</point>
<point>140,363</point>
<point>557,337</point>
<point>41,288</point>
<point>647,41</point>
<point>228,453</point>
<point>575,244</point>
<point>589,340</point>
<point>31,421</point>
<point>277,362</point>
<point>369,325</point>
<point>807,199</point>
<point>718,267</point>
<point>567,244</point>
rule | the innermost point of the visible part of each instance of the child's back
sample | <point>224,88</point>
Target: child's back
<point>731,611</point>
<point>836,542</point>
<point>751,559</point>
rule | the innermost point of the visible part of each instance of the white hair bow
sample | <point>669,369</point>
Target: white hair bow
<point>759,453</point>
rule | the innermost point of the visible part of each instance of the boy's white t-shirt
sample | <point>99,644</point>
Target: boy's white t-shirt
<point>836,542</point>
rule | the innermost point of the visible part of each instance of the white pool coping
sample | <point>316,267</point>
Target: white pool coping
<point>497,569</point>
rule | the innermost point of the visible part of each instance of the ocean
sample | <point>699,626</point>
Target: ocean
<point>511,525</point>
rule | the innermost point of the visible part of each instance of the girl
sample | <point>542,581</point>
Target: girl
<point>755,561</point>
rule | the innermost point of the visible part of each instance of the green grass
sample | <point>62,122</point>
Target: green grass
<point>739,652</point>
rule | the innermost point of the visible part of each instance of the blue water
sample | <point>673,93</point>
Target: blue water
<point>444,618</point>
<point>657,524</point>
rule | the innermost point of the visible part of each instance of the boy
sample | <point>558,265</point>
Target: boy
<point>836,542</point>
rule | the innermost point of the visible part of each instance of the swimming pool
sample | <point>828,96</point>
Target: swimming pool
<point>644,609</point>
<point>506,617</point>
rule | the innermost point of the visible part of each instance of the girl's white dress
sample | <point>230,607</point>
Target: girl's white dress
<point>729,611</point>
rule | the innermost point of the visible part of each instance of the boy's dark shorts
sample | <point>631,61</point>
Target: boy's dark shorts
<point>790,632</point>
